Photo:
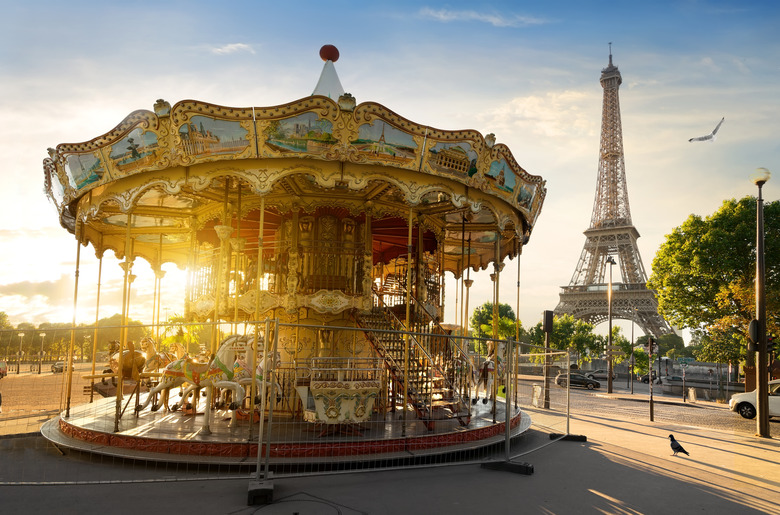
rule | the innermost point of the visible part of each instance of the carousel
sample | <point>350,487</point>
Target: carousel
<point>315,237</point>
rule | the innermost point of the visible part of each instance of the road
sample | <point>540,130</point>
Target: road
<point>666,408</point>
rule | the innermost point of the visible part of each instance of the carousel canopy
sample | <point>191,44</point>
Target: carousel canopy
<point>166,175</point>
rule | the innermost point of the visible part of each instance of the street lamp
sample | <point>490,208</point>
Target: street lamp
<point>40,356</point>
<point>610,261</point>
<point>759,178</point>
<point>631,362</point>
<point>19,362</point>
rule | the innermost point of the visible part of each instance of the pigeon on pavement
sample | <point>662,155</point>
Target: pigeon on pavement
<point>676,447</point>
<point>711,136</point>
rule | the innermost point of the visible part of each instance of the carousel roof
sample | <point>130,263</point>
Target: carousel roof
<point>163,175</point>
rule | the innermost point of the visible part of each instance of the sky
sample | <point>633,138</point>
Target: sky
<point>526,71</point>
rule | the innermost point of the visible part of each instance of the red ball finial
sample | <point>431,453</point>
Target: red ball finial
<point>329,53</point>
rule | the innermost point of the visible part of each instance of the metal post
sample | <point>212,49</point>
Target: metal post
<point>609,327</point>
<point>97,320</point>
<point>19,361</point>
<point>259,471</point>
<point>762,370</point>
<point>69,362</point>
<point>509,349</point>
<point>650,344</point>
<point>631,363</point>
<point>408,320</point>
<point>40,356</point>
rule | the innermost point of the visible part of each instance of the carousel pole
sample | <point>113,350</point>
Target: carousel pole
<point>239,252</point>
<point>468,282</point>
<point>463,312</point>
<point>69,361</point>
<point>465,349</point>
<point>263,395</point>
<point>517,312</point>
<point>192,260</point>
<point>158,275</point>
<point>408,316</point>
<point>253,361</point>
<point>497,267</point>
<point>126,266</point>
<point>97,319</point>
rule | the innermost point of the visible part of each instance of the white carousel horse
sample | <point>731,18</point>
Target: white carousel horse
<point>260,378</point>
<point>487,371</point>
<point>219,369</point>
<point>242,379</point>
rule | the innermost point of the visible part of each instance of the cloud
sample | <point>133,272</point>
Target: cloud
<point>232,48</point>
<point>553,114</point>
<point>497,20</point>
<point>56,291</point>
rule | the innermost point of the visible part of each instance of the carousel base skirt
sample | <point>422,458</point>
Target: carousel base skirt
<point>181,437</point>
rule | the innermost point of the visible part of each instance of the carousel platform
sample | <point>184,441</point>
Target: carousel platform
<point>177,437</point>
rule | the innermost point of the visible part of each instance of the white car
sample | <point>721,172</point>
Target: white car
<point>745,403</point>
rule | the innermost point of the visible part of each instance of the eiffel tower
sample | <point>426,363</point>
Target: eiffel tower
<point>611,234</point>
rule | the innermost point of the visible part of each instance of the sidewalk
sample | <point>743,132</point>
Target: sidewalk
<point>624,467</point>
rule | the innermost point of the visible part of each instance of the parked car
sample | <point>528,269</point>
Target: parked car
<point>577,379</point>
<point>599,374</point>
<point>646,378</point>
<point>745,403</point>
<point>59,367</point>
<point>3,369</point>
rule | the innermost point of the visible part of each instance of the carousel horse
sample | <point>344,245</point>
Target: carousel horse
<point>199,375</point>
<point>133,361</point>
<point>260,378</point>
<point>487,371</point>
<point>242,379</point>
<point>155,360</point>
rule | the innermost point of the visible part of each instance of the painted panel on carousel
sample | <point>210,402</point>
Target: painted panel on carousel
<point>525,195</point>
<point>83,170</point>
<point>302,134</point>
<point>204,136</point>
<point>502,175</point>
<point>382,141</point>
<point>458,158</point>
<point>136,150</point>
<point>54,187</point>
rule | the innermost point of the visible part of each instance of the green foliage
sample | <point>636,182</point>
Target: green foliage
<point>483,316</point>
<point>718,347</point>
<point>705,270</point>
<point>176,330</point>
<point>57,339</point>
<point>570,334</point>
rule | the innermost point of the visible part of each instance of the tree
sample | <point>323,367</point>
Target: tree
<point>705,270</point>
<point>176,330</point>
<point>570,334</point>
<point>483,315</point>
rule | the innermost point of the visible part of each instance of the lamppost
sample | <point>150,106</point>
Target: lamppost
<point>631,361</point>
<point>759,178</point>
<point>40,356</point>
<point>610,261</point>
<point>19,362</point>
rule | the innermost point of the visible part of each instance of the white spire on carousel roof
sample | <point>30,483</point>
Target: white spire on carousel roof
<point>329,84</point>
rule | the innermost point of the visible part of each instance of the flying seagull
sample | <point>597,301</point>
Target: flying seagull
<point>711,136</point>
<point>676,447</point>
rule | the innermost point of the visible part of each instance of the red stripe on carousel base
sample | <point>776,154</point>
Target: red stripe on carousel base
<point>285,450</point>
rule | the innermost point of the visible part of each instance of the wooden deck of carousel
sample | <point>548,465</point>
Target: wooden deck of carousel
<point>179,437</point>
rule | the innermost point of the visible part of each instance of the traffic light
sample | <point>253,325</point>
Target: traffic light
<point>752,336</point>
<point>770,343</point>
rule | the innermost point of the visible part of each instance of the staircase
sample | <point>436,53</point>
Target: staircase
<point>438,372</point>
